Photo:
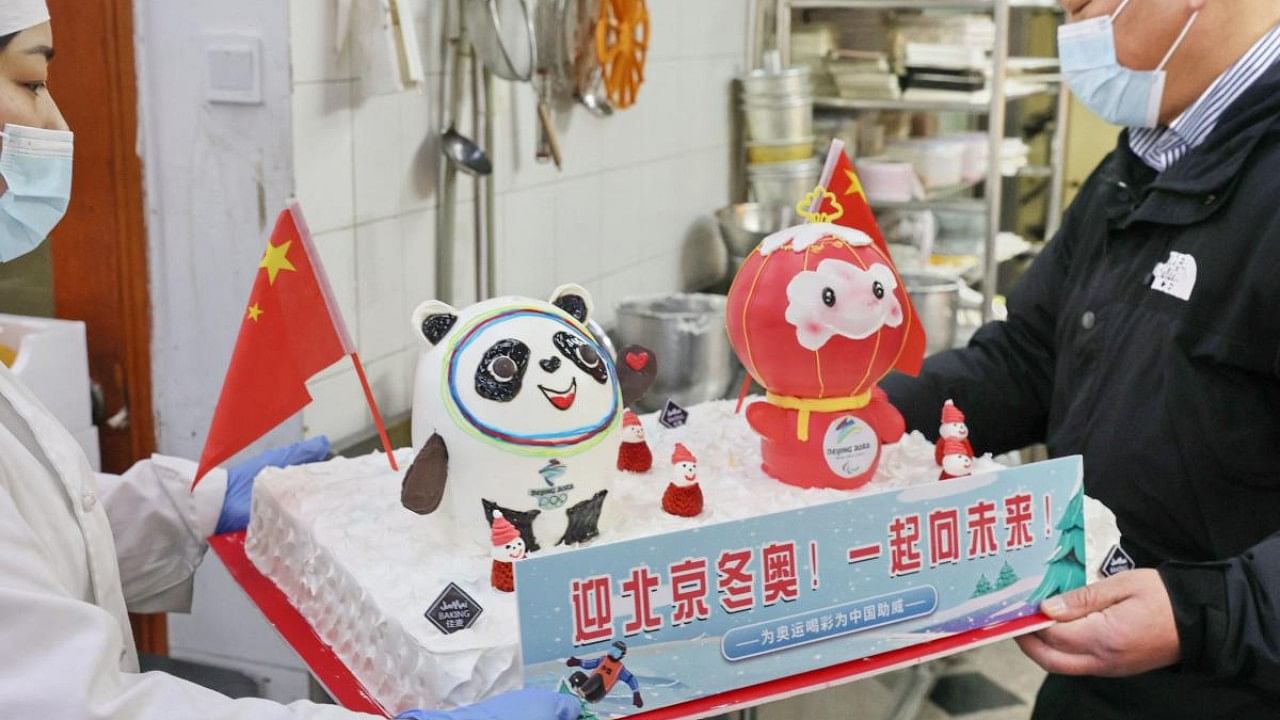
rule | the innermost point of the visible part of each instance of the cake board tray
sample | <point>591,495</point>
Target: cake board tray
<point>346,690</point>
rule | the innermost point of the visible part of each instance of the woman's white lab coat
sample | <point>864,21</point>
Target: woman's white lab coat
<point>76,550</point>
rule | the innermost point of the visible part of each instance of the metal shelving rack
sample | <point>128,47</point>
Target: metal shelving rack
<point>994,109</point>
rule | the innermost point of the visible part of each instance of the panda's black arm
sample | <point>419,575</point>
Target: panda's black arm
<point>423,486</point>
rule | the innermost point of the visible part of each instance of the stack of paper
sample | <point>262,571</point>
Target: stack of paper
<point>863,74</point>
<point>945,56</point>
<point>811,44</point>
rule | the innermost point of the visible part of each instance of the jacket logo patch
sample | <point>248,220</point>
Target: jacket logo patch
<point>1116,561</point>
<point>1175,276</point>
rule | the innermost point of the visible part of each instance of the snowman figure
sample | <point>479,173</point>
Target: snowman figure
<point>508,547</point>
<point>953,427</point>
<point>683,496</point>
<point>633,454</point>
<point>957,459</point>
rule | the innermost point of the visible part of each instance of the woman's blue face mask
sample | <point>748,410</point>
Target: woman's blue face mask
<point>36,165</point>
<point>1115,93</point>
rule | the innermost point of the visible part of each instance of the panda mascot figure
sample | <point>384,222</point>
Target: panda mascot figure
<point>517,408</point>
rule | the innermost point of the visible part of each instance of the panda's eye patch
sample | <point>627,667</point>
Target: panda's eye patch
<point>582,354</point>
<point>501,370</point>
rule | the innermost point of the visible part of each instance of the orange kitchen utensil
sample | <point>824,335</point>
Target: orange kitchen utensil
<point>622,44</point>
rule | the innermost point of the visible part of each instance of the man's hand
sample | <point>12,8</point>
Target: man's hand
<point>1120,626</point>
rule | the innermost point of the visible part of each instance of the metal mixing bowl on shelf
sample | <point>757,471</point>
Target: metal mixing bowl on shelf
<point>936,298</point>
<point>744,225</point>
<point>686,333</point>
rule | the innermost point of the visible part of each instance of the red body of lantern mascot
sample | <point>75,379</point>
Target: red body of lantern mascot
<point>818,315</point>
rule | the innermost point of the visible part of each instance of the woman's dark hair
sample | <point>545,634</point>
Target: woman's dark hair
<point>6,39</point>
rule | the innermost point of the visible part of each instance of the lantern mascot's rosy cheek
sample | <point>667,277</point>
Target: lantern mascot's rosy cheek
<point>818,315</point>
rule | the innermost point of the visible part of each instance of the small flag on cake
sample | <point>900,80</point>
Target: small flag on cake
<point>290,331</point>
<point>843,186</point>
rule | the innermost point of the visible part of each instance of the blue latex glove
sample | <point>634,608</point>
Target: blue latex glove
<point>517,705</point>
<point>235,506</point>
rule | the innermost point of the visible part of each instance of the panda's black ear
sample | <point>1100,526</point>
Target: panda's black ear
<point>433,320</point>
<point>573,299</point>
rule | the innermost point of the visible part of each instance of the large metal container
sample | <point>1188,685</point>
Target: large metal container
<point>782,183</point>
<point>936,299</point>
<point>792,81</point>
<point>686,333</point>
<point>778,118</point>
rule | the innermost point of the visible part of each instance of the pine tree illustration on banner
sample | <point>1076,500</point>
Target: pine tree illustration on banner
<point>983,587</point>
<point>1065,569</point>
<point>1007,577</point>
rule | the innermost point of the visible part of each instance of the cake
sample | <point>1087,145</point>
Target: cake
<point>362,570</point>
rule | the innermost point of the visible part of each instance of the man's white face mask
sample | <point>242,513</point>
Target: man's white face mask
<point>1115,93</point>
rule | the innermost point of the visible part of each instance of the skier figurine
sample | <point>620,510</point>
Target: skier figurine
<point>684,495</point>
<point>957,459</point>
<point>634,454</point>
<point>607,670</point>
<point>508,547</point>
<point>952,427</point>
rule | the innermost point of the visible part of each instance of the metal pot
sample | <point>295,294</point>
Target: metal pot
<point>936,299</point>
<point>686,333</point>
<point>774,151</point>
<point>792,81</point>
<point>782,183</point>
<point>772,119</point>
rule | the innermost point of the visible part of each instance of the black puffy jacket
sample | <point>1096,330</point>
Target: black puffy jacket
<point>1174,403</point>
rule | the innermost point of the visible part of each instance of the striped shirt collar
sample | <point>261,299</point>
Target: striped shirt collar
<point>1161,147</point>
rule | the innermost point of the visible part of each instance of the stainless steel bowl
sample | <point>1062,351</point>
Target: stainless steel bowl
<point>792,81</point>
<point>770,119</point>
<point>744,225</point>
<point>686,332</point>
<point>782,183</point>
<point>936,299</point>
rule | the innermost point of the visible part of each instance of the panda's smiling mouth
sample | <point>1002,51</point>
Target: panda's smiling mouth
<point>561,399</point>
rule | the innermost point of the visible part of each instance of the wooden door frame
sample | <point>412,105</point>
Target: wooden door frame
<point>100,248</point>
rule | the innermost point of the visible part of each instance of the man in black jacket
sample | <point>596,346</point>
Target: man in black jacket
<point>1146,337</point>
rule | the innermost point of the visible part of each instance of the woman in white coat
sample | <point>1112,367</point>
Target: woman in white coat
<point>77,551</point>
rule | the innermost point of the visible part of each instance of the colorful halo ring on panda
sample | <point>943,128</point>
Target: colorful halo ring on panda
<point>578,437</point>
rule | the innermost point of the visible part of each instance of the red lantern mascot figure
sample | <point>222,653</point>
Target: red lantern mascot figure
<point>818,315</point>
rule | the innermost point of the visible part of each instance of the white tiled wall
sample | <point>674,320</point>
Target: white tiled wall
<point>635,191</point>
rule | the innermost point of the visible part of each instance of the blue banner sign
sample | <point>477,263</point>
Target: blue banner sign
<point>669,618</point>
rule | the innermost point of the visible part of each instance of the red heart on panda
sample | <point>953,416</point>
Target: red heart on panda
<point>637,360</point>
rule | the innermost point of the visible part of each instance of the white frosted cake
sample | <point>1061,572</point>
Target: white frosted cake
<point>519,427</point>
<point>363,570</point>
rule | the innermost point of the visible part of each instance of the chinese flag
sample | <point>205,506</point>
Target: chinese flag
<point>291,330</point>
<point>840,179</point>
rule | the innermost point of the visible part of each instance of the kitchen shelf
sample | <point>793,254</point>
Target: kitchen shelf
<point>976,107</point>
<point>973,5</point>
<point>1005,84</point>
<point>950,204</point>
<point>1035,171</point>
<point>944,198</point>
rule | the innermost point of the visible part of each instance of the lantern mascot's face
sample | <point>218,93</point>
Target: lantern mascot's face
<point>517,408</point>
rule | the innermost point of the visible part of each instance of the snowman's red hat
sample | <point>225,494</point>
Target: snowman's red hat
<point>503,531</point>
<point>630,419</point>
<point>681,454</point>
<point>951,413</point>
